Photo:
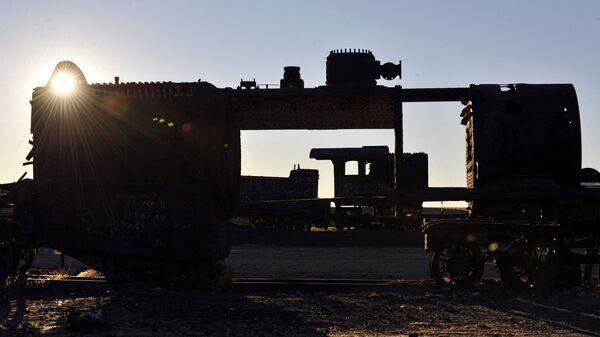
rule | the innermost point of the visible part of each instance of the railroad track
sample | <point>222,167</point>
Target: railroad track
<point>299,282</point>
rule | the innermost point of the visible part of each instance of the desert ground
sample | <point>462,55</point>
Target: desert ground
<point>409,305</point>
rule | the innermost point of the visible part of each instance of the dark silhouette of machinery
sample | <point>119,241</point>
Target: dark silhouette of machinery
<point>292,202</point>
<point>378,181</point>
<point>357,68</point>
<point>284,202</point>
<point>143,177</point>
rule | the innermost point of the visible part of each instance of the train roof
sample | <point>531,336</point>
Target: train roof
<point>353,153</point>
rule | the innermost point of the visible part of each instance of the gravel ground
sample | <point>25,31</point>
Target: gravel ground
<point>398,310</point>
<point>410,305</point>
<point>330,262</point>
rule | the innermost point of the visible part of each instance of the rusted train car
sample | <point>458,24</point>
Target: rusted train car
<point>292,202</point>
<point>276,212</point>
<point>144,176</point>
<point>374,177</point>
<point>133,176</point>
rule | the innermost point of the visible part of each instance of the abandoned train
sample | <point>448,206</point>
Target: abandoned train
<point>286,203</point>
<point>145,176</point>
<point>293,202</point>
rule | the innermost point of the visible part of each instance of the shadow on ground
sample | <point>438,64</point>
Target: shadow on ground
<point>402,308</point>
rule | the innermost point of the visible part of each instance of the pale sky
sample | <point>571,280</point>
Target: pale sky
<point>440,43</point>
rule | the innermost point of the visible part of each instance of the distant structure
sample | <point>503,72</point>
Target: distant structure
<point>375,177</point>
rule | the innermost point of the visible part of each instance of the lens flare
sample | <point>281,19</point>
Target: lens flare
<point>63,83</point>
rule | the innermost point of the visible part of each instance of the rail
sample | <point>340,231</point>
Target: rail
<point>72,280</point>
<point>460,194</point>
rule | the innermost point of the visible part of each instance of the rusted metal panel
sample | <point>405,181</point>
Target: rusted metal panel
<point>155,175</point>
<point>326,108</point>
<point>313,109</point>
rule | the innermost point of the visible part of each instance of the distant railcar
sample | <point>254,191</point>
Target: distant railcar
<point>374,177</point>
<point>268,200</point>
<point>301,184</point>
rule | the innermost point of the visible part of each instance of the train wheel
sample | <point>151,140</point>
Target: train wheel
<point>539,265</point>
<point>457,266</point>
<point>7,260</point>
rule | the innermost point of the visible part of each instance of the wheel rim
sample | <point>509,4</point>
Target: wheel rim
<point>460,265</point>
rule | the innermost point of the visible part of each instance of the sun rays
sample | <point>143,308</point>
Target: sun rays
<point>63,83</point>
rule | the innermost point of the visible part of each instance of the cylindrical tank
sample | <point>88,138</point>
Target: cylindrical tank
<point>521,137</point>
<point>352,68</point>
<point>291,78</point>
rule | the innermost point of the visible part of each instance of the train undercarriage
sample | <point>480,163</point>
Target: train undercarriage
<point>527,254</point>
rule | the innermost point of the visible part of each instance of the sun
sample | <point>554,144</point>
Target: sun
<point>63,83</point>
